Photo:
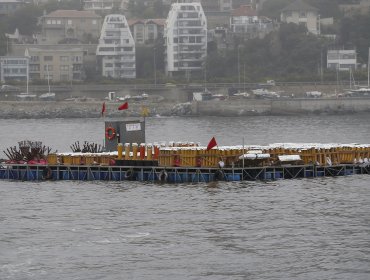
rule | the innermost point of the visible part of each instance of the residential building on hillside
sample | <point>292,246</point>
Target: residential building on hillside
<point>17,38</point>
<point>343,60</point>
<point>185,38</point>
<point>116,49</point>
<point>217,5</point>
<point>301,13</point>
<point>245,21</point>
<point>146,31</point>
<point>210,5</point>
<point>13,68</point>
<point>356,7</point>
<point>104,6</point>
<point>8,7</point>
<point>62,64</point>
<point>256,4</point>
<point>67,26</point>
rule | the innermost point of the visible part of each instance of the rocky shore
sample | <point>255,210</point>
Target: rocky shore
<point>78,109</point>
<point>89,108</point>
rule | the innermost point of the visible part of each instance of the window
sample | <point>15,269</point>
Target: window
<point>48,67</point>
<point>76,58</point>
<point>94,21</point>
<point>64,67</point>
<point>63,58</point>
<point>77,67</point>
<point>35,68</point>
<point>69,22</point>
<point>48,58</point>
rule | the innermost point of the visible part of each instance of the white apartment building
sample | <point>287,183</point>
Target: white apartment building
<point>14,68</point>
<point>342,60</point>
<point>185,35</point>
<point>116,49</point>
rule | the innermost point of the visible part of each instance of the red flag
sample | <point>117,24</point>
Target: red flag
<point>103,109</point>
<point>212,143</point>
<point>124,106</point>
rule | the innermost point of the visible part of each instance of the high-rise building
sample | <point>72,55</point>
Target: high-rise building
<point>186,38</point>
<point>116,49</point>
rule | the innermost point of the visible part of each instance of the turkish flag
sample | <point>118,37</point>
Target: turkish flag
<point>103,109</point>
<point>212,144</point>
<point>124,106</point>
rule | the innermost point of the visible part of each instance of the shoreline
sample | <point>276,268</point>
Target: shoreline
<point>226,108</point>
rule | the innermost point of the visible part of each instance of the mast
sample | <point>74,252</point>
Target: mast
<point>368,70</point>
<point>28,76</point>
<point>205,76</point>
<point>47,70</point>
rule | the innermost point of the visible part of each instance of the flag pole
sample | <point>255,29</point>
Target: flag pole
<point>243,152</point>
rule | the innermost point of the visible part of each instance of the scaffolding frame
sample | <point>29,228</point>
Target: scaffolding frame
<point>21,172</point>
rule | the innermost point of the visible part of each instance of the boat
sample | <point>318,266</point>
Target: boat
<point>25,96</point>
<point>207,96</point>
<point>363,91</point>
<point>314,94</point>
<point>48,96</point>
<point>265,94</point>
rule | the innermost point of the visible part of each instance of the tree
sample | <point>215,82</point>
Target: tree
<point>327,8</point>
<point>354,32</point>
<point>291,53</point>
<point>25,19</point>
<point>272,8</point>
<point>3,43</point>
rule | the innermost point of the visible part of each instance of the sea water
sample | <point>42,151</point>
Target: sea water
<point>286,229</point>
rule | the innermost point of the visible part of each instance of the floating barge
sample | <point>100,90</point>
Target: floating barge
<point>180,162</point>
<point>189,163</point>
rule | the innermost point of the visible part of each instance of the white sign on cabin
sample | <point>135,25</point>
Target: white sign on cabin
<point>133,126</point>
